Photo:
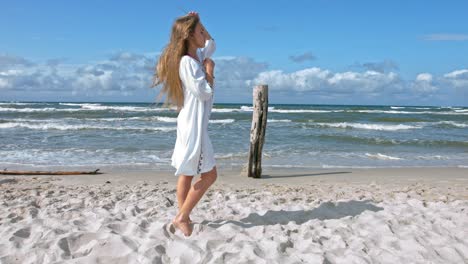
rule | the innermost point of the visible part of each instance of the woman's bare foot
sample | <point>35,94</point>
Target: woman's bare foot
<point>190,220</point>
<point>184,227</point>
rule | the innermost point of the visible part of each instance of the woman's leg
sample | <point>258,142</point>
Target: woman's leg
<point>193,197</point>
<point>183,186</point>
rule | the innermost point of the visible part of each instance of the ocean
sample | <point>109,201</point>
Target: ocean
<point>142,136</point>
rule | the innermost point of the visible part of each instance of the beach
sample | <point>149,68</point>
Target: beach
<point>340,184</point>
<point>290,215</point>
<point>356,115</point>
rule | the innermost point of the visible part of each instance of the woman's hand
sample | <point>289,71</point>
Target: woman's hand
<point>193,13</point>
<point>209,67</point>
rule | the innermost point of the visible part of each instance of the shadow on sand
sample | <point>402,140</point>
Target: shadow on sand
<point>327,210</point>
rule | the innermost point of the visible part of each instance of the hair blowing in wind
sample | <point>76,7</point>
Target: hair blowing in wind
<point>167,68</point>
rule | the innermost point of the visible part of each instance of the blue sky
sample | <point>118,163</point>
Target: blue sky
<point>318,52</point>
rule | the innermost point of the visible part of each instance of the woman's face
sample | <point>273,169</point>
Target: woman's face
<point>198,37</point>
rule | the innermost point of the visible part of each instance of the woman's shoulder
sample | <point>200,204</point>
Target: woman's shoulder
<point>186,60</point>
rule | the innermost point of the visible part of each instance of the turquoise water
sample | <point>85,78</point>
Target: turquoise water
<point>141,135</point>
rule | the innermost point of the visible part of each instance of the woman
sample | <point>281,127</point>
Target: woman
<point>186,73</point>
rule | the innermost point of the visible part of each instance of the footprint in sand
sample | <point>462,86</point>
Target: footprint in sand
<point>23,232</point>
<point>33,212</point>
<point>78,245</point>
<point>160,249</point>
<point>168,230</point>
<point>14,217</point>
<point>63,245</point>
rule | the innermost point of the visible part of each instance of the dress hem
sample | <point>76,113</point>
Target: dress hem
<point>195,174</point>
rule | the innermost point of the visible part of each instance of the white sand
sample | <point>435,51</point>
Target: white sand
<point>326,216</point>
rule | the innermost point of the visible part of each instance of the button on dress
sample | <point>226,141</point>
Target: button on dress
<point>193,152</point>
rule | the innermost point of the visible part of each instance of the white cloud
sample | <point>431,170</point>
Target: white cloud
<point>3,83</point>
<point>304,80</point>
<point>121,74</point>
<point>11,72</point>
<point>232,76</point>
<point>8,61</point>
<point>383,66</point>
<point>424,77</point>
<point>424,83</point>
<point>458,79</point>
<point>102,79</point>
<point>307,56</point>
<point>366,87</point>
<point>446,37</point>
<point>457,74</point>
<point>316,80</point>
<point>126,74</point>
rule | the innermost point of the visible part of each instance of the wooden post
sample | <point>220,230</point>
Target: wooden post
<point>257,132</point>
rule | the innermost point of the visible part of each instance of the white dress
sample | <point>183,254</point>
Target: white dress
<point>193,152</point>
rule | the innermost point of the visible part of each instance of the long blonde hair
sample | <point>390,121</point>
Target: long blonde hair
<point>167,68</point>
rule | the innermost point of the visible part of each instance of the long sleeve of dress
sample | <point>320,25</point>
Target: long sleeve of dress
<point>209,49</point>
<point>193,78</point>
<point>207,52</point>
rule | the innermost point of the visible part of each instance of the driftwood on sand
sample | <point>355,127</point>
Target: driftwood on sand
<point>7,172</point>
